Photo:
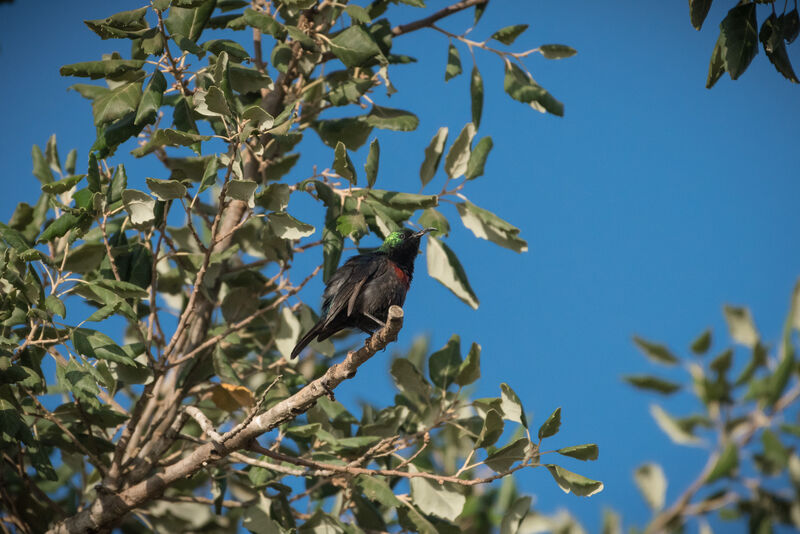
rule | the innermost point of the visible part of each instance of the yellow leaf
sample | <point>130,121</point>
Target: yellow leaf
<point>230,398</point>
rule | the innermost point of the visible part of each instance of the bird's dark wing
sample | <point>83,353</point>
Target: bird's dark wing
<point>346,283</point>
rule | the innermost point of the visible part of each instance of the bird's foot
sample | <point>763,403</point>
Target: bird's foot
<point>328,390</point>
<point>378,321</point>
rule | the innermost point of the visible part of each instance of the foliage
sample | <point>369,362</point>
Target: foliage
<point>145,324</point>
<point>747,420</point>
<point>739,36</point>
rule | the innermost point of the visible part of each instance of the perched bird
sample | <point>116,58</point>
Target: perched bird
<point>360,293</point>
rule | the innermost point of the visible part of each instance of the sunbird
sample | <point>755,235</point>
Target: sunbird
<point>361,291</point>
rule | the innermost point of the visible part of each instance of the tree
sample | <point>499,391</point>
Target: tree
<point>747,419</point>
<point>739,36</point>
<point>160,426</point>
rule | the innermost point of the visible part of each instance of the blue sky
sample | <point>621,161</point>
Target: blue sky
<point>651,204</point>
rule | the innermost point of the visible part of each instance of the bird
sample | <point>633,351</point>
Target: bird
<point>361,291</point>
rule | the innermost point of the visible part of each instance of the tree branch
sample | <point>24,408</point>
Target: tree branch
<point>108,508</point>
<point>442,13</point>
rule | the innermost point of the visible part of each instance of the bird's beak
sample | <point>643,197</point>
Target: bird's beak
<point>424,231</point>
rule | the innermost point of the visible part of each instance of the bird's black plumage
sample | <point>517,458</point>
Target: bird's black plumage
<point>360,293</point>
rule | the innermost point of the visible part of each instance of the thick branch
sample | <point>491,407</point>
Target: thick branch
<point>109,508</point>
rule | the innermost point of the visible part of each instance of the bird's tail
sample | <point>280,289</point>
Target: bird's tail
<point>306,339</point>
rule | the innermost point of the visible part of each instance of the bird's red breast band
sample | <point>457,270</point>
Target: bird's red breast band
<point>401,275</point>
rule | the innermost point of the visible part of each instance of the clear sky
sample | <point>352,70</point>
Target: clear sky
<point>651,204</point>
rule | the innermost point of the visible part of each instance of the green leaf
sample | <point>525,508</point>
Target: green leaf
<point>41,169</point>
<point>470,369</point>
<point>739,38</point>
<point>352,131</point>
<point>741,326</point>
<point>391,119</point>
<point>239,303</point>
<point>551,425</point>
<point>698,9</point>
<point>375,489</point>
<point>116,103</point>
<point>62,186</point>
<point>780,378</point>
<point>509,34</point>
<point>477,160</point>
<point>443,265</point>
<point>256,517</point>
<point>655,352</point>
<point>521,87</point>
<point>93,174</point>
<point>55,306</point>
<point>727,462</point>
<point>248,80</point>
<point>168,137</point>
<point>211,103</point>
<point>150,102</point>
<point>285,226</point>
<point>51,153</point>
<point>189,21</point>
<point>716,67</point>
<point>444,364</point>
<point>502,459</point>
<point>72,158</point>
<point>589,451</point>
<point>723,362</point>
<point>790,25</point>
<point>94,344</point>
<point>104,313</point>
<point>434,498</point>
<point>358,14</point>
<point>343,165</point>
<point>652,383</point>
<point>209,175</point>
<point>123,289</point>
<point>431,218</point>
<point>274,197</point>
<point>59,227</point>
<point>774,452</point>
<point>453,63</point>
<point>433,154</point>
<point>354,46</point>
<point>166,189</point>
<point>218,47</point>
<point>403,201</point>
<point>511,405</point>
<point>486,225</point>
<point>457,159</point>
<point>332,244</point>
<point>702,343</point>
<point>140,206</point>
<point>573,482</point>
<point>264,23</point>
<point>476,95</point>
<point>259,118</point>
<point>288,332</point>
<point>557,51</point>
<point>771,37</point>
<point>242,190</point>
<point>491,431</point>
<point>652,484</point>
<point>108,68</point>
<point>408,378</point>
<point>353,225</point>
<point>671,428</point>
<point>514,517</point>
<point>373,158</point>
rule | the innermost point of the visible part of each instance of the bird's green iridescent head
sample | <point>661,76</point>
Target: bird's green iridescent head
<point>397,239</point>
